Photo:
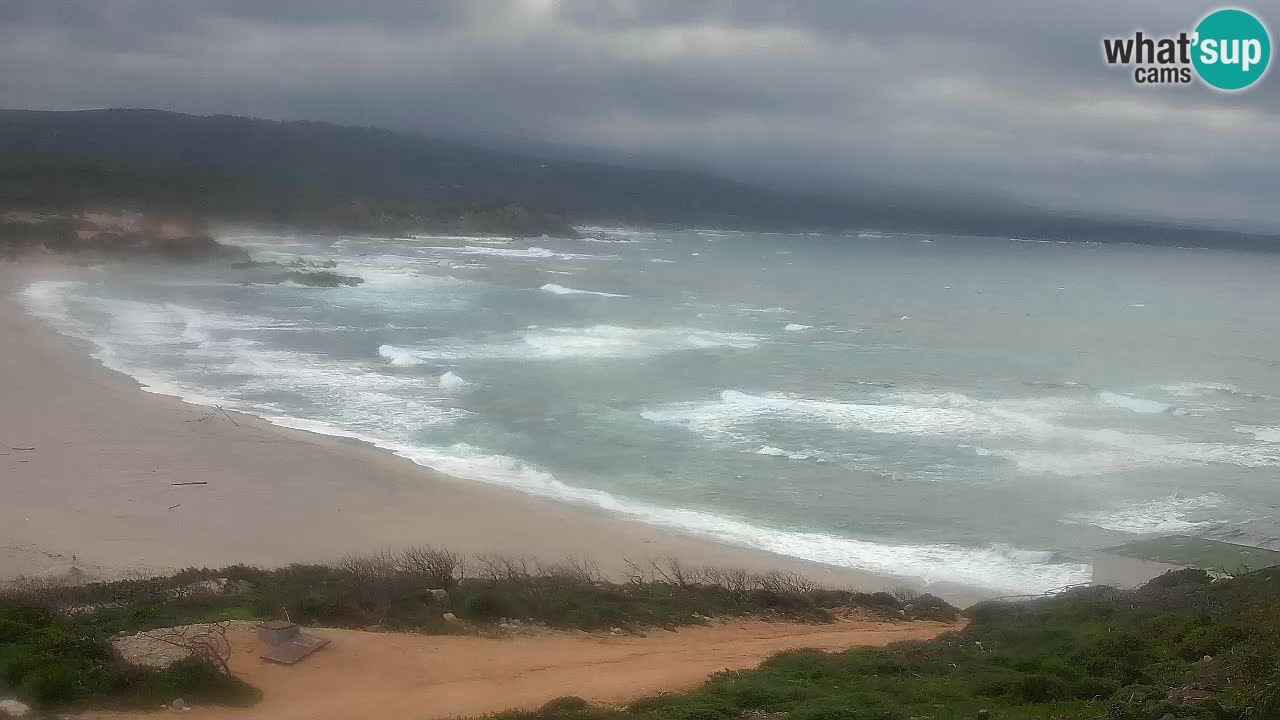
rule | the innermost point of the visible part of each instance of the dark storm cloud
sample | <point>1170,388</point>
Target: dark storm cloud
<point>1004,98</point>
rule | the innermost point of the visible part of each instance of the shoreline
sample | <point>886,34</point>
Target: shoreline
<point>97,491</point>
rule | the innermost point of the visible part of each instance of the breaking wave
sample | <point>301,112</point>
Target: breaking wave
<point>594,342</point>
<point>452,381</point>
<point>779,452</point>
<point>531,253</point>
<point>1173,514</point>
<point>1028,433</point>
<point>1129,402</point>
<point>555,289</point>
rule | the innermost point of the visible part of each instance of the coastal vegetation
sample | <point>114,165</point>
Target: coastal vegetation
<point>56,635</point>
<point>1183,646</point>
<point>52,659</point>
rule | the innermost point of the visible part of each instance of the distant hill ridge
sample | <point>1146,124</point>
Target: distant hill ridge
<point>361,178</point>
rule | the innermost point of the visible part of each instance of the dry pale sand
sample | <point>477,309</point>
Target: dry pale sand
<point>415,677</point>
<point>98,485</point>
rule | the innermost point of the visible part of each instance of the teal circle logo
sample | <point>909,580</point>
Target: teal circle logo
<point>1231,49</point>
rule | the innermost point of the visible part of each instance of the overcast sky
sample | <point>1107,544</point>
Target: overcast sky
<point>1008,98</point>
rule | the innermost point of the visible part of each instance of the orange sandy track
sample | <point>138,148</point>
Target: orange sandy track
<point>417,677</point>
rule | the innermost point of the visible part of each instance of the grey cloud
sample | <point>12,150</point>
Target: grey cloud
<point>1002,97</point>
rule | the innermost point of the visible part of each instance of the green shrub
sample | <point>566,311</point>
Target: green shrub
<point>1136,702</point>
<point>829,710</point>
<point>16,660</point>
<point>484,605</point>
<point>50,685</point>
<point>566,705</point>
<point>56,662</point>
<point>1040,688</point>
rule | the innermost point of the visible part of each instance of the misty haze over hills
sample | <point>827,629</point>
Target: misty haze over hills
<point>297,172</point>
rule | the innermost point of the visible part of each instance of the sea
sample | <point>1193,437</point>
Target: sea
<point>986,411</point>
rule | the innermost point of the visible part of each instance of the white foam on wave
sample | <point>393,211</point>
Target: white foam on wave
<point>1260,433</point>
<point>996,567</point>
<point>452,381</point>
<point>779,452</point>
<point>796,327</point>
<point>46,299</point>
<point>1105,451</point>
<point>618,234</point>
<point>594,342</point>
<point>1199,389</point>
<point>399,356</point>
<point>662,261</point>
<point>492,239</point>
<point>535,253</point>
<point>607,240</point>
<point>50,301</point>
<point>1163,515</point>
<point>213,351</point>
<point>1130,402</point>
<point>1026,432</point>
<point>736,408</point>
<point>555,289</point>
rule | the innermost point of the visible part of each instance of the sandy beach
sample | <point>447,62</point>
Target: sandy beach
<point>97,487</point>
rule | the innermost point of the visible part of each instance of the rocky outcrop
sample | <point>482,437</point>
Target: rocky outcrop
<point>320,278</point>
<point>301,271</point>
<point>110,234</point>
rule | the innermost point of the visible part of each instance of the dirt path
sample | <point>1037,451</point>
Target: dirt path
<point>417,677</point>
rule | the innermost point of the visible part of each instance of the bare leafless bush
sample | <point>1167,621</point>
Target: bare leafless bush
<point>24,587</point>
<point>381,565</point>
<point>573,569</point>
<point>434,566</point>
<point>207,643</point>
<point>638,573</point>
<point>500,568</point>
<point>673,572</point>
<point>737,581</point>
<point>905,595</point>
<point>784,581</point>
